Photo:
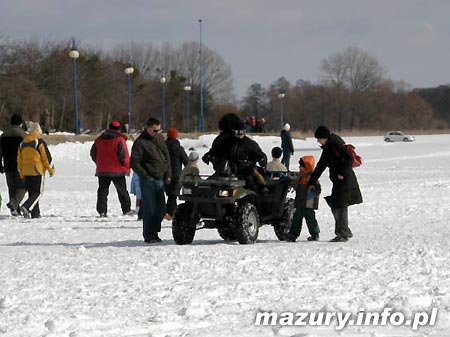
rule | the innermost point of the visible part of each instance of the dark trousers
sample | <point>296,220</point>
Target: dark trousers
<point>153,206</point>
<point>103,191</point>
<point>172,191</point>
<point>16,188</point>
<point>34,186</point>
<point>310,216</point>
<point>341,228</point>
<point>286,158</point>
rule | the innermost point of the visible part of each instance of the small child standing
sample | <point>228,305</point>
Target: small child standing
<point>305,203</point>
<point>191,170</point>
<point>275,165</point>
<point>136,190</point>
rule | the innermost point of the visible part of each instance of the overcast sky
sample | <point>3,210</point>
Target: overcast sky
<point>261,39</point>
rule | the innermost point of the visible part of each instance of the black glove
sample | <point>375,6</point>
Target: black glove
<point>206,159</point>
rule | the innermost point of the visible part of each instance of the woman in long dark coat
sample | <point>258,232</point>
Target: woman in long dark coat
<point>345,191</point>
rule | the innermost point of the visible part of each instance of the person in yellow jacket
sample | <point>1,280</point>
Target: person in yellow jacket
<point>33,159</point>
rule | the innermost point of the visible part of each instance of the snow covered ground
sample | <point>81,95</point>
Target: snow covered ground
<point>72,274</point>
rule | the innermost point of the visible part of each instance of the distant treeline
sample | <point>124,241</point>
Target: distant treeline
<point>36,80</point>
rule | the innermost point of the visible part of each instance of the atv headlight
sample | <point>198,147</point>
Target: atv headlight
<point>187,191</point>
<point>224,193</point>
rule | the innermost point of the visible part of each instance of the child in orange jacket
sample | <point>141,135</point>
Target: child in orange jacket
<point>305,203</point>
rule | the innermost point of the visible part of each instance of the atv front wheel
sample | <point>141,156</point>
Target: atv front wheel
<point>283,227</point>
<point>247,223</point>
<point>225,232</point>
<point>183,226</point>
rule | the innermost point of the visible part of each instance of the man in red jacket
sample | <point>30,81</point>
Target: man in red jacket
<point>110,153</point>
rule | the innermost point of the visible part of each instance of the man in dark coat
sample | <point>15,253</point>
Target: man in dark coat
<point>345,191</point>
<point>286,145</point>
<point>178,159</point>
<point>9,145</point>
<point>236,149</point>
<point>110,153</point>
<point>150,160</point>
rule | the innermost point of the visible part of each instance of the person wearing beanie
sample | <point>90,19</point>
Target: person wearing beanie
<point>33,159</point>
<point>110,155</point>
<point>286,145</point>
<point>305,202</point>
<point>191,170</point>
<point>150,160</point>
<point>345,191</point>
<point>275,165</point>
<point>178,159</point>
<point>9,146</point>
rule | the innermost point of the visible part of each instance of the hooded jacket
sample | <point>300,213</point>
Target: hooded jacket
<point>302,198</point>
<point>110,153</point>
<point>33,157</point>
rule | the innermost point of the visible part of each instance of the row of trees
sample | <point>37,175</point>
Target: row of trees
<point>353,91</point>
<point>36,76</point>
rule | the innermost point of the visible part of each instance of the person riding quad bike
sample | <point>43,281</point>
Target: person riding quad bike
<point>232,152</point>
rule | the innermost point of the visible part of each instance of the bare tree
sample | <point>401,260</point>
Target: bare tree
<point>353,69</point>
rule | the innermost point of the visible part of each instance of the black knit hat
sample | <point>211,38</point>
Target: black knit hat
<point>16,119</point>
<point>322,132</point>
<point>276,152</point>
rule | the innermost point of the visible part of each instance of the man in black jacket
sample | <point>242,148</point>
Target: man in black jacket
<point>9,145</point>
<point>345,191</point>
<point>150,160</point>
<point>239,151</point>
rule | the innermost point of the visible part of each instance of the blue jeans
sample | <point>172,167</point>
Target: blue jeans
<point>153,205</point>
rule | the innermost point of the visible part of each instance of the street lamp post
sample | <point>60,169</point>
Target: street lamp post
<point>187,89</point>
<point>74,55</point>
<point>202,117</point>
<point>281,97</point>
<point>162,80</point>
<point>128,71</point>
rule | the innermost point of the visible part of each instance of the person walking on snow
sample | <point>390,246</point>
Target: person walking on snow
<point>178,159</point>
<point>150,159</point>
<point>345,191</point>
<point>305,202</point>
<point>9,146</point>
<point>110,154</point>
<point>33,159</point>
<point>286,145</point>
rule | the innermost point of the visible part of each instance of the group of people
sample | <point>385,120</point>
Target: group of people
<point>24,159</point>
<point>233,152</point>
<point>157,165</point>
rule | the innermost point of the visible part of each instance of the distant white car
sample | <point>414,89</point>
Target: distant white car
<point>397,136</point>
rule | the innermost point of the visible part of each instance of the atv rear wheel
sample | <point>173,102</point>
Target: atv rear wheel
<point>183,226</point>
<point>283,227</point>
<point>247,223</point>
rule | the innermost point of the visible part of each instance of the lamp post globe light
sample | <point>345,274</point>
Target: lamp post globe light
<point>74,55</point>
<point>129,70</point>
<point>162,80</point>
<point>281,96</point>
<point>187,88</point>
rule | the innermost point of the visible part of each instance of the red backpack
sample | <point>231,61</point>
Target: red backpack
<point>357,160</point>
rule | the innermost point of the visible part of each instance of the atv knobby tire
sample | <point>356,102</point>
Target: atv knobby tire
<point>247,223</point>
<point>226,233</point>
<point>283,227</point>
<point>183,226</point>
